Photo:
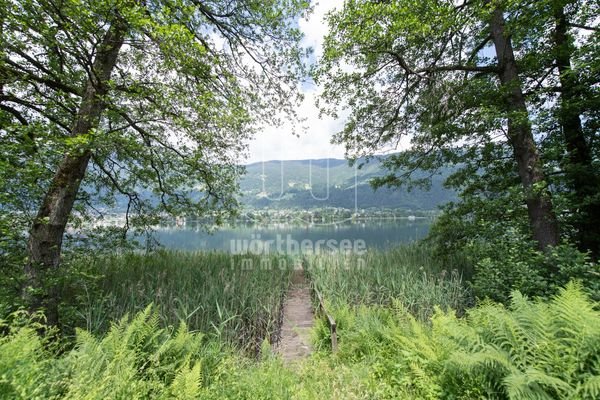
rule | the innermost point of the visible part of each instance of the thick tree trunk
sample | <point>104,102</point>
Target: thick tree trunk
<point>581,176</point>
<point>46,234</point>
<point>542,219</point>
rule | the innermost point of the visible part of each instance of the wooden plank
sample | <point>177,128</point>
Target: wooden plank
<point>330,321</point>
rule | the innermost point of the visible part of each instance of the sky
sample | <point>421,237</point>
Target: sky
<point>278,143</point>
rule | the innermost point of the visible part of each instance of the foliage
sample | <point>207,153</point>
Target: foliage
<point>136,360</point>
<point>491,234</point>
<point>25,358</point>
<point>187,91</point>
<point>499,256</point>
<point>409,274</point>
<point>425,74</point>
<point>507,265</point>
<point>152,102</point>
<point>237,298</point>
<point>532,350</point>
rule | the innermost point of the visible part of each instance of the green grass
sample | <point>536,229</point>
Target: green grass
<point>399,337</point>
<point>237,298</point>
<point>408,274</point>
<point>532,350</point>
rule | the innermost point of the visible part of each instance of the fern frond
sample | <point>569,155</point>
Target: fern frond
<point>590,389</point>
<point>187,383</point>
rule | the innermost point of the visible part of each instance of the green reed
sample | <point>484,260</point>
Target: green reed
<point>235,297</point>
<point>408,273</point>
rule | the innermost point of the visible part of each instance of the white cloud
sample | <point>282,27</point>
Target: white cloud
<point>315,28</point>
<point>278,143</point>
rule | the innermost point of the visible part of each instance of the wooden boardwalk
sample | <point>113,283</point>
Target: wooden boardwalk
<point>298,320</point>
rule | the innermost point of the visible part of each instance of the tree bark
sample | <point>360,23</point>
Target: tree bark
<point>581,176</point>
<point>542,219</point>
<point>46,234</point>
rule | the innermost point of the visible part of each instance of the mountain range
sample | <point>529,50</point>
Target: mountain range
<point>332,183</point>
<point>324,183</point>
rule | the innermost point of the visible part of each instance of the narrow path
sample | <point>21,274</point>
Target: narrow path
<point>297,319</point>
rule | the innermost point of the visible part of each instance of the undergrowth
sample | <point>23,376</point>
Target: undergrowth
<point>531,350</point>
<point>408,274</point>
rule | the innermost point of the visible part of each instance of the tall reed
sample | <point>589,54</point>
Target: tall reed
<point>236,297</point>
<point>408,273</point>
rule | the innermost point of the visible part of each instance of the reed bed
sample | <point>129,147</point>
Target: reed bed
<point>235,297</point>
<point>408,274</point>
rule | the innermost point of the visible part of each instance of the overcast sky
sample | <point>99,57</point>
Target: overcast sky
<point>279,143</point>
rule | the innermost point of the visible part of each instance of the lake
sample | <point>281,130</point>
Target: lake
<point>294,238</point>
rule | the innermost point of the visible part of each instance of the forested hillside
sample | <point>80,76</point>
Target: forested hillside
<point>334,183</point>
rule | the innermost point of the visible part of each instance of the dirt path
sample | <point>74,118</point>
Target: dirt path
<point>297,320</point>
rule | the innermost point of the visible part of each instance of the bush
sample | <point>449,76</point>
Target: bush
<point>515,264</point>
<point>492,237</point>
<point>533,350</point>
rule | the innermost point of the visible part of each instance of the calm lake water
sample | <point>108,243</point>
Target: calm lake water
<point>284,236</point>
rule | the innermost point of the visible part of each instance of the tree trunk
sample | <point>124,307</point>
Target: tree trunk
<point>46,234</point>
<point>581,176</point>
<point>542,219</point>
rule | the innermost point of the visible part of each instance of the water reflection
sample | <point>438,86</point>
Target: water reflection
<point>375,233</point>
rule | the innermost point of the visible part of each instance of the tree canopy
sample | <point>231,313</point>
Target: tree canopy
<point>506,90</point>
<point>123,97</point>
<point>189,83</point>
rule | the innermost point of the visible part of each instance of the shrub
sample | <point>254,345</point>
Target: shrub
<point>532,350</point>
<point>516,265</point>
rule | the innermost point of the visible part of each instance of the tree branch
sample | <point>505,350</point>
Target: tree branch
<point>466,68</point>
<point>479,47</point>
<point>24,74</point>
<point>35,108</point>
<point>587,28</point>
<point>15,113</point>
<point>441,68</point>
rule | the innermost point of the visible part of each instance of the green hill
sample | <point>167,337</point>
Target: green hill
<point>331,183</point>
<point>307,184</point>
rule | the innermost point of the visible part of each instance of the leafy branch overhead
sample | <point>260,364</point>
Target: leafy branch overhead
<point>491,87</point>
<point>190,81</point>
<point>153,101</point>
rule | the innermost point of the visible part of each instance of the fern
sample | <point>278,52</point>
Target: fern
<point>23,360</point>
<point>531,350</point>
<point>537,350</point>
<point>186,384</point>
<point>135,360</point>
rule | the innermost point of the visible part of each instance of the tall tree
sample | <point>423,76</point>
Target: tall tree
<point>444,75</point>
<point>542,219</point>
<point>555,52</point>
<point>582,176</point>
<point>145,100</point>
